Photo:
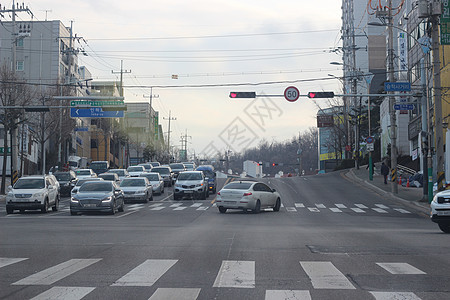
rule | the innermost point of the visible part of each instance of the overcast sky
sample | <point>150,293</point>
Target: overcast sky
<point>211,45</point>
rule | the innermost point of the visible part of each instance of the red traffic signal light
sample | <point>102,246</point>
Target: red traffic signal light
<point>242,95</point>
<point>320,94</point>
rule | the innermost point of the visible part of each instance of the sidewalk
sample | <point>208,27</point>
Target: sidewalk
<point>411,196</point>
<point>3,197</point>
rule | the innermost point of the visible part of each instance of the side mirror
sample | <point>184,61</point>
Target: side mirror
<point>51,187</point>
<point>10,188</point>
<point>274,190</point>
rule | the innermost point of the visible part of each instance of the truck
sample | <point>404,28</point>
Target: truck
<point>99,166</point>
<point>77,162</point>
<point>253,169</point>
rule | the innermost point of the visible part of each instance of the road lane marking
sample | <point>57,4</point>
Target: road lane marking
<point>175,293</point>
<point>158,208</point>
<point>401,210</point>
<point>299,205</point>
<point>202,208</point>
<point>381,206</point>
<point>176,204</point>
<point>394,295</point>
<point>64,292</point>
<point>6,261</point>
<point>56,273</point>
<point>236,274</point>
<point>126,214</point>
<point>324,275</point>
<point>358,210</point>
<point>180,208</point>
<point>156,205</point>
<point>313,209</point>
<point>361,206</point>
<point>334,209</point>
<point>320,206</point>
<point>147,273</point>
<point>340,206</point>
<point>196,204</point>
<point>380,210</point>
<point>287,295</point>
<point>291,209</point>
<point>401,269</point>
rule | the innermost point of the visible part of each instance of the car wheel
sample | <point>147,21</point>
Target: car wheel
<point>277,205</point>
<point>9,211</point>
<point>147,197</point>
<point>122,207</point>
<point>257,207</point>
<point>56,206</point>
<point>113,209</point>
<point>44,209</point>
<point>444,227</point>
<point>222,209</point>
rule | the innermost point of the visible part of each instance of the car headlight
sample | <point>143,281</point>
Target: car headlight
<point>177,185</point>
<point>38,195</point>
<point>107,199</point>
<point>73,200</point>
<point>140,192</point>
<point>435,199</point>
<point>11,194</point>
<point>199,184</point>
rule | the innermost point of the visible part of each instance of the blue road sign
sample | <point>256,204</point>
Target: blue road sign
<point>403,106</point>
<point>94,112</point>
<point>397,86</point>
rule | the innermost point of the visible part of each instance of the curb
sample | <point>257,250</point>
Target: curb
<point>422,207</point>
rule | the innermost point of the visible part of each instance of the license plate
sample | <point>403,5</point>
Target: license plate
<point>443,213</point>
<point>230,202</point>
<point>188,192</point>
<point>90,205</point>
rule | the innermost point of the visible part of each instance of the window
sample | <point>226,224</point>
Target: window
<point>19,42</point>
<point>19,65</point>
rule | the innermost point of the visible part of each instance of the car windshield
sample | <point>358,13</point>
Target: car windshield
<point>30,183</point>
<point>118,172</point>
<point>96,187</point>
<point>107,176</point>
<point>154,164</point>
<point>161,170</point>
<point>62,176</point>
<point>190,176</point>
<point>177,166</point>
<point>132,182</point>
<point>83,172</point>
<point>80,182</point>
<point>238,186</point>
<point>152,177</point>
<point>135,169</point>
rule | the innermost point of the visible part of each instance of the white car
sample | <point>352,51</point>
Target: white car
<point>136,171</point>
<point>246,195</point>
<point>156,181</point>
<point>137,189</point>
<point>191,184</point>
<point>440,210</point>
<point>121,172</point>
<point>33,192</point>
<point>85,173</point>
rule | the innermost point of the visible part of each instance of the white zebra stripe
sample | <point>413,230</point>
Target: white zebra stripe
<point>236,274</point>
<point>147,273</point>
<point>64,292</point>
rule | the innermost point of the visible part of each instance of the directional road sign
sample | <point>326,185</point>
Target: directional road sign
<point>96,103</point>
<point>94,112</point>
<point>403,106</point>
<point>397,86</point>
<point>291,94</point>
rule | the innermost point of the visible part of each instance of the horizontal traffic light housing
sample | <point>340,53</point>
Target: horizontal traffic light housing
<point>320,94</point>
<point>242,95</point>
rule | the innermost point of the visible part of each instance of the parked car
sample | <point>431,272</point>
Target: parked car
<point>156,181</point>
<point>135,171</point>
<point>32,193</point>
<point>166,174</point>
<point>85,173</point>
<point>440,210</point>
<point>137,189</point>
<point>247,195</point>
<point>99,196</point>
<point>210,175</point>
<point>121,172</point>
<point>191,184</point>
<point>80,183</point>
<point>67,181</point>
<point>110,177</point>
<point>176,169</point>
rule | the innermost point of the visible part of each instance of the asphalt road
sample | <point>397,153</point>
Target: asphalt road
<point>332,239</point>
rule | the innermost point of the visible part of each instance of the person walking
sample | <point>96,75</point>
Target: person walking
<point>384,171</point>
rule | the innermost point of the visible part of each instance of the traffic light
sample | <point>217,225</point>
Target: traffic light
<point>274,164</point>
<point>320,94</point>
<point>242,94</point>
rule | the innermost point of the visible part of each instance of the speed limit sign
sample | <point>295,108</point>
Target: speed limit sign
<point>291,94</point>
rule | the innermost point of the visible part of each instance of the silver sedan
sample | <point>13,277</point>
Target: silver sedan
<point>247,195</point>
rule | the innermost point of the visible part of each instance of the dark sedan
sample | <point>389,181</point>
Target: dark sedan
<point>97,196</point>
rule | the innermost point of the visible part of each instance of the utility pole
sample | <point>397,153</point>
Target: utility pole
<point>151,96</point>
<point>121,72</point>
<point>168,133</point>
<point>392,101</point>
<point>184,142</point>
<point>14,130</point>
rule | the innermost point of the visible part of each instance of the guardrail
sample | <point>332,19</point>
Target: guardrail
<point>403,169</point>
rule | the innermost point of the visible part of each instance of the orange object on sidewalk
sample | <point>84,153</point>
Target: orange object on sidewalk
<point>407,183</point>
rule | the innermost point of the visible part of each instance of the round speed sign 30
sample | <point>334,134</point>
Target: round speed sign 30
<point>291,94</point>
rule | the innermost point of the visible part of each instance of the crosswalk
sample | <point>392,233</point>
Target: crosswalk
<point>240,275</point>
<point>183,206</point>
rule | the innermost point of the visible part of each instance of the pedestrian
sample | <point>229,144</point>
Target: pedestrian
<point>384,171</point>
